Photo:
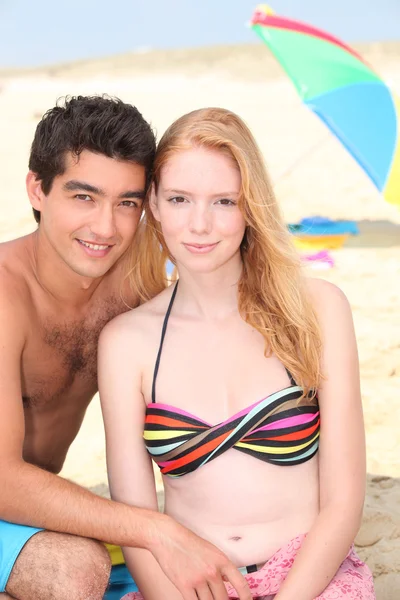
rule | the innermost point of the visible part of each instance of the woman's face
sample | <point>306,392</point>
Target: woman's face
<point>197,207</point>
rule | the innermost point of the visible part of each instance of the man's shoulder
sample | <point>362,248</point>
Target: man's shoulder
<point>15,254</point>
<point>14,288</point>
<point>119,282</point>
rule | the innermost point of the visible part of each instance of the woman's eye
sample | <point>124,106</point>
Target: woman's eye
<point>177,200</point>
<point>226,202</point>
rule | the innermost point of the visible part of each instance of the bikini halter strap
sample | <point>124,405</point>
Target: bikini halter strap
<point>163,332</point>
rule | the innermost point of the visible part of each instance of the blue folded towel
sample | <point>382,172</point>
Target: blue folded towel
<point>323,226</point>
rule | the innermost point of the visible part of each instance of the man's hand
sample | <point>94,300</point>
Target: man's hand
<point>196,567</point>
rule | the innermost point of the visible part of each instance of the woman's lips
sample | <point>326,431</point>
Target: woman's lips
<point>200,248</point>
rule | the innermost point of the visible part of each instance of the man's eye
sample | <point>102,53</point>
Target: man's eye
<point>83,197</point>
<point>129,203</point>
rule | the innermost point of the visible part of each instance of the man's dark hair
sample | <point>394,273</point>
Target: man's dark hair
<point>100,124</point>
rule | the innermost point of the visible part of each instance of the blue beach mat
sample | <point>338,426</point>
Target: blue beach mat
<point>121,583</point>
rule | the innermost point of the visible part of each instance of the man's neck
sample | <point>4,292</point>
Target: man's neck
<point>56,278</point>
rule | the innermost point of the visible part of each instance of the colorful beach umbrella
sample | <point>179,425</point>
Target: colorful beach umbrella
<point>343,90</point>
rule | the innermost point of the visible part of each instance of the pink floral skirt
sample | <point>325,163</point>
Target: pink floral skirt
<point>353,580</point>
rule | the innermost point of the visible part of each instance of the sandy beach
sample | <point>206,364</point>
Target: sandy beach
<point>312,174</point>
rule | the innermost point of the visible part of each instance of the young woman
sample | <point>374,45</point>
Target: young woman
<point>240,381</point>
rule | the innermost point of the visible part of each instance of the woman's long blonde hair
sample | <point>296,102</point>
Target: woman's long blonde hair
<point>272,292</point>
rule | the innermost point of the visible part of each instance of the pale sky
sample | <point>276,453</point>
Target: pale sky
<point>38,32</point>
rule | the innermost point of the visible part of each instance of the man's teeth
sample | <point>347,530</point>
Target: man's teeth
<point>93,246</point>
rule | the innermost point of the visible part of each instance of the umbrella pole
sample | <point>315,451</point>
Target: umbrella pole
<point>293,166</point>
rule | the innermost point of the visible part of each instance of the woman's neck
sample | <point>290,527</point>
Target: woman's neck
<point>210,295</point>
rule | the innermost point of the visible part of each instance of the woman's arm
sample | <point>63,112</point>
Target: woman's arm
<point>341,453</point>
<point>130,471</point>
<point>193,566</point>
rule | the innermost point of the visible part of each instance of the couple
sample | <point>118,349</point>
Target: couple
<point>240,380</point>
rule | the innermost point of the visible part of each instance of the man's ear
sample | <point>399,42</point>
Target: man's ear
<point>153,203</point>
<point>34,190</point>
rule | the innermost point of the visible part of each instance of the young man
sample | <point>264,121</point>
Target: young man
<point>90,164</point>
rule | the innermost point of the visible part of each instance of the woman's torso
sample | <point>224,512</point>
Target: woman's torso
<point>214,369</point>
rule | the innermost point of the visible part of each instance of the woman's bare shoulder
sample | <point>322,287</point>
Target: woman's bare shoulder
<point>330,302</point>
<point>139,325</point>
<point>322,291</point>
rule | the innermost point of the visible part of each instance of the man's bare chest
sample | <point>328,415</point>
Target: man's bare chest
<point>61,356</point>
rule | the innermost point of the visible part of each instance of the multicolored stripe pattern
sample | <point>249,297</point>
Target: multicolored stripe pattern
<point>277,430</point>
<point>343,90</point>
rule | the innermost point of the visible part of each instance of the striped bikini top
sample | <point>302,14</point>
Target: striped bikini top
<point>275,429</point>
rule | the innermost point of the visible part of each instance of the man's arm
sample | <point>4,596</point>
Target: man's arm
<point>32,496</point>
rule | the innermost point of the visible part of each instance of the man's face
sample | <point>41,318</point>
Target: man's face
<point>92,211</point>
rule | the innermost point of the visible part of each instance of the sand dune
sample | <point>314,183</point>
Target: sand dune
<point>312,175</point>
